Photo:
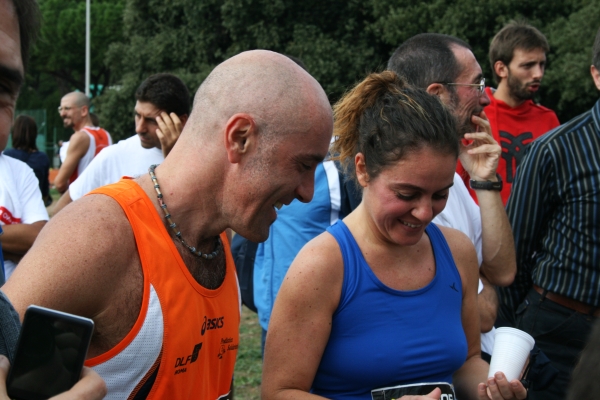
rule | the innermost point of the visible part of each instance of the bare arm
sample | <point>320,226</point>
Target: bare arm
<point>468,380</point>
<point>78,262</point>
<point>487,304</point>
<point>18,238</point>
<point>78,146</point>
<point>301,320</point>
<point>64,201</point>
<point>480,160</point>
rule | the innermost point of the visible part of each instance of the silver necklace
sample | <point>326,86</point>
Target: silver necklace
<point>172,224</point>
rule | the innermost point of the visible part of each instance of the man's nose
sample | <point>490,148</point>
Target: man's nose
<point>484,100</point>
<point>538,72</point>
<point>140,126</point>
<point>306,189</point>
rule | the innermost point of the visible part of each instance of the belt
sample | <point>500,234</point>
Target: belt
<point>567,302</point>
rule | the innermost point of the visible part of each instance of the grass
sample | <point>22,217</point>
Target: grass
<point>248,368</point>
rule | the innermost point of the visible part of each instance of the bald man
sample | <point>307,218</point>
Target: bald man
<point>84,144</point>
<point>147,259</point>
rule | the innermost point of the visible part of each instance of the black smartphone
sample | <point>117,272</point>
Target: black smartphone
<point>50,353</point>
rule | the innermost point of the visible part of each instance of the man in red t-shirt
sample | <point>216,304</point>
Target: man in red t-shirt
<point>518,58</point>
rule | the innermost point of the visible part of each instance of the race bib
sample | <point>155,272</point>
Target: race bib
<point>413,389</point>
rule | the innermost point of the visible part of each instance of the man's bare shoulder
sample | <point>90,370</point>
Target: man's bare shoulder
<point>79,137</point>
<point>77,260</point>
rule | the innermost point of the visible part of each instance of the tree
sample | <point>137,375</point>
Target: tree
<point>57,64</point>
<point>339,41</point>
<point>569,85</point>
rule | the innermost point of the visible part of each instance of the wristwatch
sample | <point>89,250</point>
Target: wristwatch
<point>487,185</point>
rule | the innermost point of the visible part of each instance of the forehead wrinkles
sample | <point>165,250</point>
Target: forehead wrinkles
<point>147,110</point>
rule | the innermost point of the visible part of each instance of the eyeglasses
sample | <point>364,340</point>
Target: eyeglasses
<point>61,109</point>
<point>480,86</point>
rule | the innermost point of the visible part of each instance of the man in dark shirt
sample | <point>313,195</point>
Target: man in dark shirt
<point>554,211</point>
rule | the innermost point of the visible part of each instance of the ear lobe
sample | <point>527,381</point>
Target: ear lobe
<point>435,89</point>
<point>439,90</point>
<point>240,136</point>
<point>361,169</point>
<point>501,69</point>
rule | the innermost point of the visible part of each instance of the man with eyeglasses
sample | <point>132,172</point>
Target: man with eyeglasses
<point>84,144</point>
<point>518,59</point>
<point>446,67</point>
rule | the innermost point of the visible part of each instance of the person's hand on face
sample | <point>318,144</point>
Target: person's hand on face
<point>481,153</point>
<point>168,131</point>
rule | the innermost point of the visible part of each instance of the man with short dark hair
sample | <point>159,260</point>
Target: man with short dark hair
<point>19,24</point>
<point>518,59</point>
<point>87,141</point>
<point>445,66</point>
<point>161,110</point>
<point>554,210</point>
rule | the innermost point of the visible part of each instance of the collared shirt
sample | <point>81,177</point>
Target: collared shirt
<point>554,211</point>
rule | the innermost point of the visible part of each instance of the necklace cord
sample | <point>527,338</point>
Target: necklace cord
<point>173,225</point>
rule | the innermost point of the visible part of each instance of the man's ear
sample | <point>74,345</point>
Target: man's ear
<point>240,136</point>
<point>183,118</point>
<point>361,169</point>
<point>435,89</point>
<point>501,69</point>
<point>596,76</point>
<point>439,90</point>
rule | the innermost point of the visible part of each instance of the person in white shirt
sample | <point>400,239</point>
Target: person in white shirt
<point>161,110</point>
<point>446,67</point>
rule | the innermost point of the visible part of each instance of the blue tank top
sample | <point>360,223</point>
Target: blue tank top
<point>381,336</point>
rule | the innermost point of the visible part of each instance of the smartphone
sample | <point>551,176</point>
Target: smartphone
<point>50,353</point>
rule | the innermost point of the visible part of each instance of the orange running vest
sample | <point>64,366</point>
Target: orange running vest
<point>199,326</point>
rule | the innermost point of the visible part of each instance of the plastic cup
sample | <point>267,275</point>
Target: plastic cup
<point>511,350</point>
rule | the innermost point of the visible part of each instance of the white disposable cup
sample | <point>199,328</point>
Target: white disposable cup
<point>511,350</point>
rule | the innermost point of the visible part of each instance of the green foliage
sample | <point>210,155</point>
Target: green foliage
<point>57,64</point>
<point>570,88</point>
<point>338,41</point>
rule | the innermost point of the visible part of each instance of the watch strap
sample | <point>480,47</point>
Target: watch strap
<point>487,185</point>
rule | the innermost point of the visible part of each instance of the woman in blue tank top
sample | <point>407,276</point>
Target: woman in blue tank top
<point>384,298</point>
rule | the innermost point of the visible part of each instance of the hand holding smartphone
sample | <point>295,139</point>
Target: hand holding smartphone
<point>50,353</point>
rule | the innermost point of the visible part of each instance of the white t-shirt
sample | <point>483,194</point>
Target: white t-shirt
<point>20,198</point>
<point>126,158</point>
<point>62,152</point>
<point>462,213</point>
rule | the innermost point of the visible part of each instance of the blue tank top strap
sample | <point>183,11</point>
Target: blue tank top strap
<point>355,264</point>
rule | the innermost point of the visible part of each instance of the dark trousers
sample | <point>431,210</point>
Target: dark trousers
<point>560,333</point>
